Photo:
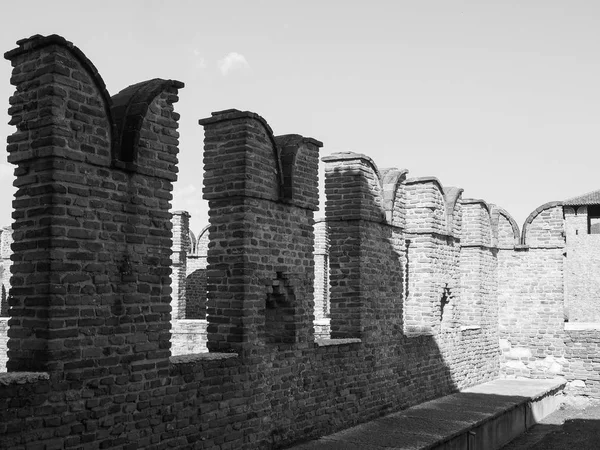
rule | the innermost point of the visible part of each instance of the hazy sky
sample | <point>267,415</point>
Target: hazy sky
<point>501,98</point>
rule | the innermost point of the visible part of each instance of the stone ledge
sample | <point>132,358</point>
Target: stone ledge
<point>328,342</point>
<point>187,359</point>
<point>582,326</point>
<point>9,378</point>
<point>470,327</point>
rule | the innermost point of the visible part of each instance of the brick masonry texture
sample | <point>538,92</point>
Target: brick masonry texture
<point>126,331</point>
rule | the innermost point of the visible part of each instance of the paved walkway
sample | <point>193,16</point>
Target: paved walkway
<point>486,416</point>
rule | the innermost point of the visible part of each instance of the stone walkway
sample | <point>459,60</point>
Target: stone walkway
<point>486,416</point>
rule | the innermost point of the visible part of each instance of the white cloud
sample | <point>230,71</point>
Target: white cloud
<point>200,61</point>
<point>233,61</point>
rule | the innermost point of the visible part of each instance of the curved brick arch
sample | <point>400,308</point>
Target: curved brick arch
<point>130,108</point>
<point>193,241</point>
<point>426,205</point>
<point>533,216</point>
<point>201,246</point>
<point>358,180</point>
<point>67,83</point>
<point>295,164</point>
<point>502,230</point>
<point>38,42</point>
<point>452,196</point>
<point>257,139</point>
<point>391,180</point>
<point>477,224</point>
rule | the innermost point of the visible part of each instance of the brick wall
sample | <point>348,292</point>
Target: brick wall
<point>531,296</point>
<point>92,242</point>
<point>91,342</point>
<point>477,262</point>
<point>433,248</point>
<point>581,363</point>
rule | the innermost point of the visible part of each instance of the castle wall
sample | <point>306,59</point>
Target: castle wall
<point>423,284</point>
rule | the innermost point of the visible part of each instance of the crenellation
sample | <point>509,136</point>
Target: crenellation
<point>268,327</point>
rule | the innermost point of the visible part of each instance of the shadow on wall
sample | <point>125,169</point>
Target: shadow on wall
<point>266,382</point>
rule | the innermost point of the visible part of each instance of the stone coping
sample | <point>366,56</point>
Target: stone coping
<point>329,342</point>
<point>8,378</point>
<point>447,421</point>
<point>187,359</point>
<point>582,326</point>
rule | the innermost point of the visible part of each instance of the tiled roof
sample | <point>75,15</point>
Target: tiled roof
<point>591,198</point>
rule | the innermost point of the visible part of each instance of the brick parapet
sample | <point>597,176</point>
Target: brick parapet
<point>454,209</point>
<point>476,224</point>
<point>530,308</point>
<point>477,261</point>
<point>507,230</point>
<point>353,188</point>
<point>544,228</point>
<point>432,278</point>
<point>252,191</point>
<point>355,214</point>
<point>426,207</point>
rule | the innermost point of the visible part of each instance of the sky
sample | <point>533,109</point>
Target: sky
<point>500,98</point>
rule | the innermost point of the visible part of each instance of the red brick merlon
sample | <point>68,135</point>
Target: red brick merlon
<point>292,160</point>
<point>515,239</point>
<point>452,196</point>
<point>37,41</point>
<point>72,98</point>
<point>130,107</point>
<point>391,180</point>
<point>533,216</point>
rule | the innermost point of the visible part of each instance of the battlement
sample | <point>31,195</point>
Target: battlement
<point>422,282</point>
